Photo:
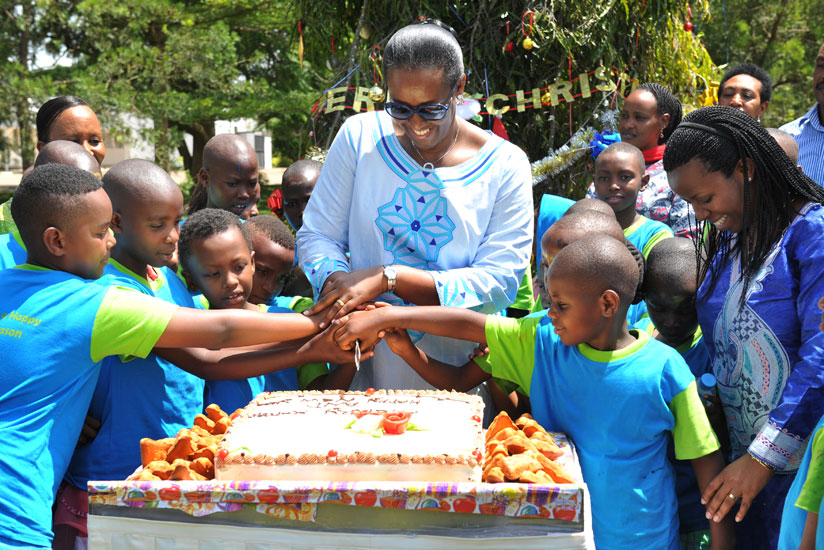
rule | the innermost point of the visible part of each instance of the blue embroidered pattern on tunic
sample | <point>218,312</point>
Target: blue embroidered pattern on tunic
<point>750,364</point>
<point>320,270</point>
<point>455,292</point>
<point>415,226</point>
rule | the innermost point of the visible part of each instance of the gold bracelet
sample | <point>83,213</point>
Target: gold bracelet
<point>764,464</point>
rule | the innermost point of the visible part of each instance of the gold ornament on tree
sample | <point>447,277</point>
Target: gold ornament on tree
<point>376,94</point>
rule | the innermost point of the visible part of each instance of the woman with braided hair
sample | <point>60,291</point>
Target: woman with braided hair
<point>761,273</point>
<point>649,115</point>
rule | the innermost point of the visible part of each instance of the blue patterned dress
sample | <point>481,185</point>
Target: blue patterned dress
<point>767,358</point>
<point>469,226</point>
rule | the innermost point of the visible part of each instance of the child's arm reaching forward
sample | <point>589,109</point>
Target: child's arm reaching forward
<point>369,326</point>
<point>441,375</point>
<point>235,364</point>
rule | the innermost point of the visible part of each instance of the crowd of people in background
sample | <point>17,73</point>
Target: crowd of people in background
<point>697,251</point>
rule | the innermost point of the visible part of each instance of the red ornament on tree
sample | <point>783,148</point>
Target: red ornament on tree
<point>688,26</point>
<point>509,47</point>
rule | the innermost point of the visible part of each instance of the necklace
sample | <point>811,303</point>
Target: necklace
<point>431,165</point>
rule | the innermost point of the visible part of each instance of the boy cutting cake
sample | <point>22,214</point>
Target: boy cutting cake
<point>617,393</point>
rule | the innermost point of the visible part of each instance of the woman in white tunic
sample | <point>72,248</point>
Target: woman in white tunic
<point>430,209</point>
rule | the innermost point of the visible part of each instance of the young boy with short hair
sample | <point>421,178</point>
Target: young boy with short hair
<point>217,257</point>
<point>297,184</point>
<point>134,397</point>
<point>618,394</point>
<point>620,174</point>
<point>57,323</point>
<point>228,179</point>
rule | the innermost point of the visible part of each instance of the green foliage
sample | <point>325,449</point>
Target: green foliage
<point>641,38</point>
<point>783,37</point>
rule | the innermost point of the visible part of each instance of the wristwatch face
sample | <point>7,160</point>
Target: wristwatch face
<point>390,273</point>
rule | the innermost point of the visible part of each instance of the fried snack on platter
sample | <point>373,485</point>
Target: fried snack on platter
<point>160,468</point>
<point>184,472</point>
<point>215,413</point>
<point>543,436</point>
<point>495,475</point>
<point>147,475</point>
<point>514,466</point>
<point>200,431</point>
<point>518,443</point>
<point>549,450</point>
<point>204,467</point>
<point>529,477</point>
<point>521,451</point>
<point>204,422</point>
<point>221,426</point>
<point>557,473</point>
<point>501,422</point>
<point>188,455</point>
<point>151,450</point>
<point>504,434</point>
<point>531,427</point>
<point>205,452</point>
<point>183,447</point>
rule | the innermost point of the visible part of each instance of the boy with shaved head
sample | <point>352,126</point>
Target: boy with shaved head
<point>12,249</point>
<point>620,174</point>
<point>228,179</point>
<point>134,397</point>
<point>617,393</point>
<point>298,182</point>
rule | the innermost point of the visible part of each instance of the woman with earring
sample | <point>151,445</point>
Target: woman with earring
<point>648,116</point>
<point>761,274</point>
<point>431,209</point>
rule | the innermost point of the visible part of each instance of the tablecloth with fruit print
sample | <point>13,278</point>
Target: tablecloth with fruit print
<point>298,500</point>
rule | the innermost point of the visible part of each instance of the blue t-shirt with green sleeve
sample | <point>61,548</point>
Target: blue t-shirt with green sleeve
<point>12,250</point>
<point>619,408</point>
<point>646,233</point>
<point>236,394</point>
<point>55,330</point>
<point>136,397</point>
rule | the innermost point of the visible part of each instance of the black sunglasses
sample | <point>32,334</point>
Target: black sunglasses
<point>427,111</point>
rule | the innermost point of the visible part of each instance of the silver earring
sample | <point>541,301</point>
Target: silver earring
<point>759,119</point>
<point>460,99</point>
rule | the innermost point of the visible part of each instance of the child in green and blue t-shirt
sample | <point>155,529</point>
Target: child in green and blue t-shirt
<point>134,397</point>
<point>57,323</point>
<point>620,174</point>
<point>617,393</point>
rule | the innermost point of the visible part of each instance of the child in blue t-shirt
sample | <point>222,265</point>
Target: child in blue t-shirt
<point>620,175</point>
<point>216,256</point>
<point>57,324</point>
<point>134,397</point>
<point>618,394</point>
<point>670,286</point>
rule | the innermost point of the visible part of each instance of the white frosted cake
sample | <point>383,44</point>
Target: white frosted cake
<point>385,435</point>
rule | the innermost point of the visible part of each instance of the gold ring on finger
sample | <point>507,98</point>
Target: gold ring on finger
<point>340,302</point>
<point>732,496</point>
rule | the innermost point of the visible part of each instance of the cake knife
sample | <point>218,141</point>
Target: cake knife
<point>357,354</point>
